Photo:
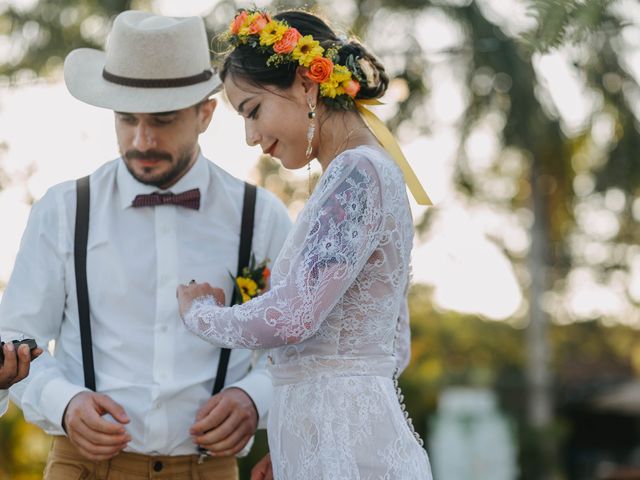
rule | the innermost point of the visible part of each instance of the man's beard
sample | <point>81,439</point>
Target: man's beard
<point>165,179</point>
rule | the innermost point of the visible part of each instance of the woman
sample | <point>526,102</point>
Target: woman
<point>336,314</point>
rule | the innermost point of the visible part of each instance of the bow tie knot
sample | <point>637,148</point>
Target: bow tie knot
<point>189,199</point>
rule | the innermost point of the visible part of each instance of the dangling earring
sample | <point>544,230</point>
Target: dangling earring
<point>310,134</point>
<point>312,127</point>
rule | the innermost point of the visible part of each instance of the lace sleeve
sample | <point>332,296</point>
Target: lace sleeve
<point>339,234</point>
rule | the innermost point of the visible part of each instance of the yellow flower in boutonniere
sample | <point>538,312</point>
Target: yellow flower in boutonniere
<point>306,50</point>
<point>248,288</point>
<point>253,281</point>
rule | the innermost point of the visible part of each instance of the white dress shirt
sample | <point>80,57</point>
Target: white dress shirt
<point>4,401</point>
<point>144,357</point>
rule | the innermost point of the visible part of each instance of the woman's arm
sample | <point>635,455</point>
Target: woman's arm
<point>342,235</point>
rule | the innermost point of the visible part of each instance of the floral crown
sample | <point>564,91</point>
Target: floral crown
<point>339,84</point>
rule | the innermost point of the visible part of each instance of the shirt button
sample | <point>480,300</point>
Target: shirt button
<point>163,329</point>
<point>157,466</point>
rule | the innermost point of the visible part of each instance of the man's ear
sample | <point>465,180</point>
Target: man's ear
<point>205,111</point>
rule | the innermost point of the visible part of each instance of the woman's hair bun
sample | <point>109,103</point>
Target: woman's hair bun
<point>369,68</point>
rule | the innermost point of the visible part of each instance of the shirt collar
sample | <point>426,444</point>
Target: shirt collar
<point>129,187</point>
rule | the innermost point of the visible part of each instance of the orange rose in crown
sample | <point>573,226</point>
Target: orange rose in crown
<point>258,24</point>
<point>237,22</point>
<point>288,42</point>
<point>320,69</point>
<point>351,88</point>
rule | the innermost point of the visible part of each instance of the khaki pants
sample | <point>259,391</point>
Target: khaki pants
<point>65,463</point>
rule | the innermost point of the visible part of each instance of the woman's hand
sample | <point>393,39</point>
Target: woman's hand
<point>263,470</point>
<point>188,293</point>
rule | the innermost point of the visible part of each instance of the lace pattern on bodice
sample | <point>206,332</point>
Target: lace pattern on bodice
<point>339,284</point>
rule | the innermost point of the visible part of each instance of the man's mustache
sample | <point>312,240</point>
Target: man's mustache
<point>147,155</point>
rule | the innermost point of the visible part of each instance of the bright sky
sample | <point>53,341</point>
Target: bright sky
<point>58,138</point>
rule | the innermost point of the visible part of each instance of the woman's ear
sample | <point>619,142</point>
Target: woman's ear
<point>306,87</point>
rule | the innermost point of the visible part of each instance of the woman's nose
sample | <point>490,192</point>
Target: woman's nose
<point>252,135</point>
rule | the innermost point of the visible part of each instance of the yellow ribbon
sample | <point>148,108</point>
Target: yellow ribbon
<point>386,139</point>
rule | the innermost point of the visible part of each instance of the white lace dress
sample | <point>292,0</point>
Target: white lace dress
<point>336,318</point>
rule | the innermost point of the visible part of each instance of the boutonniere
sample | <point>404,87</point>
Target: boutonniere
<point>253,281</point>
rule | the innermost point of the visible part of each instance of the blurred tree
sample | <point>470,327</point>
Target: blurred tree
<point>43,32</point>
<point>535,176</point>
<point>559,21</point>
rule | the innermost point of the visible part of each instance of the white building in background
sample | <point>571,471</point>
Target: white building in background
<point>471,439</point>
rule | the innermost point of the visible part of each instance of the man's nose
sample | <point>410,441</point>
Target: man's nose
<point>144,138</point>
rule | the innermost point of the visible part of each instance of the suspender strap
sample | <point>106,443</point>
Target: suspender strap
<point>244,256</point>
<point>80,261</point>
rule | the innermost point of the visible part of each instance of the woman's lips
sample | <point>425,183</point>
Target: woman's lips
<point>271,149</point>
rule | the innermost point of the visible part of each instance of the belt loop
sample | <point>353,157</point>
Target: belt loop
<point>102,469</point>
<point>195,475</point>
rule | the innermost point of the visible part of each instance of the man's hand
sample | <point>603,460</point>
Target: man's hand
<point>16,364</point>
<point>225,423</point>
<point>263,469</point>
<point>94,437</point>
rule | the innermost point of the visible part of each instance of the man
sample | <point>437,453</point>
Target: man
<point>154,379</point>
<point>14,368</point>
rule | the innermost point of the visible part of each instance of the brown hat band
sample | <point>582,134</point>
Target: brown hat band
<point>157,82</point>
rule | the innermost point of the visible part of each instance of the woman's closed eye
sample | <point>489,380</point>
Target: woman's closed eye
<point>253,114</point>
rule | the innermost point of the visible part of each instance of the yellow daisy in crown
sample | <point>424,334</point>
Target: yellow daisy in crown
<point>306,50</point>
<point>272,33</point>
<point>336,83</point>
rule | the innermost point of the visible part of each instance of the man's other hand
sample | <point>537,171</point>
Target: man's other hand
<point>94,437</point>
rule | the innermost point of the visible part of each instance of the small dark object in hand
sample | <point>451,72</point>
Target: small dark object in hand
<point>29,342</point>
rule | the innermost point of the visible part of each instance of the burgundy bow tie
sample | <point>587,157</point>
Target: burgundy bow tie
<point>189,199</point>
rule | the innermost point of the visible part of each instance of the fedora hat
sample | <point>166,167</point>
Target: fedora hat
<point>151,64</point>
